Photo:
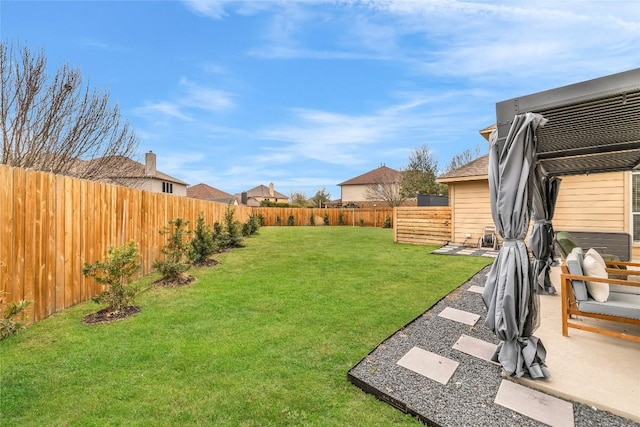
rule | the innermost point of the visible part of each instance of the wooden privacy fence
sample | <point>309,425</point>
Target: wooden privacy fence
<point>302,216</point>
<point>50,225</point>
<point>422,225</point>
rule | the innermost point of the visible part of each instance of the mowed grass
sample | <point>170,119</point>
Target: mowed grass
<point>265,338</point>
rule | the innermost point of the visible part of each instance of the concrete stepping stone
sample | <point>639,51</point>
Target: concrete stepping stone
<point>476,289</point>
<point>477,348</point>
<point>534,404</point>
<point>430,365</point>
<point>459,316</point>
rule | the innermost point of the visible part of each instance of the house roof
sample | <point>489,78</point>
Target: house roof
<point>263,191</point>
<point>380,175</point>
<point>124,167</point>
<point>474,170</point>
<point>207,192</point>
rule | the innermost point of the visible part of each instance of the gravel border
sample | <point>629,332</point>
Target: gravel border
<point>468,398</point>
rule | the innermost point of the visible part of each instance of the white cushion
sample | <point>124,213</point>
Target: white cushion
<point>596,255</point>
<point>592,267</point>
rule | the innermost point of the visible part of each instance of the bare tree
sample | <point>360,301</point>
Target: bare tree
<point>463,158</point>
<point>57,124</point>
<point>387,188</point>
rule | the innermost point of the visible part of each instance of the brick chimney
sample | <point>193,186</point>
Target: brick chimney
<point>271,192</point>
<point>150,163</point>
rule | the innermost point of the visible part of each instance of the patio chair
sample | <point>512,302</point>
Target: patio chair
<point>588,290</point>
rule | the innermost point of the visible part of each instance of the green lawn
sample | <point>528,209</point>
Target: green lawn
<point>264,338</point>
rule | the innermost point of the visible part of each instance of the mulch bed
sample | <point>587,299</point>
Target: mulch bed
<point>107,315</point>
<point>182,280</point>
<point>206,263</point>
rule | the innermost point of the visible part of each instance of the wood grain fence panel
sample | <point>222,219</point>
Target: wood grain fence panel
<point>7,215</point>
<point>422,225</point>
<point>49,218</point>
<point>76,248</point>
<point>19,183</point>
<point>68,242</point>
<point>30,244</point>
<point>60,240</point>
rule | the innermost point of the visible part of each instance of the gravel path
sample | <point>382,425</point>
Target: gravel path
<point>468,398</point>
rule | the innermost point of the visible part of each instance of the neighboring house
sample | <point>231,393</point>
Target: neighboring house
<point>256,195</point>
<point>353,192</point>
<point>596,202</point>
<point>206,192</point>
<point>129,173</point>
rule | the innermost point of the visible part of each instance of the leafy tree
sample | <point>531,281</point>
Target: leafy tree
<point>115,272</point>
<point>420,175</point>
<point>299,199</point>
<point>463,158</point>
<point>321,198</point>
<point>291,220</point>
<point>52,123</point>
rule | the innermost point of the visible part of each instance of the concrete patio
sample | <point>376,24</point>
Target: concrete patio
<point>590,368</point>
<point>437,369</point>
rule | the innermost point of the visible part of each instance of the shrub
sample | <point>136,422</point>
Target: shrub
<point>387,222</point>
<point>202,244</point>
<point>253,224</point>
<point>291,220</point>
<point>9,326</point>
<point>361,222</point>
<point>340,218</point>
<point>312,220</point>
<point>176,251</point>
<point>260,220</point>
<point>229,234</point>
<point>278,220</point>
<point>115,272</point>
<point>326,219</point>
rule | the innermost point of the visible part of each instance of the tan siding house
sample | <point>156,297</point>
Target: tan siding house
<point>599,202</point>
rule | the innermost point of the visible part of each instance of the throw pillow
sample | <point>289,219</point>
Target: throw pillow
<point>596,255</point>
<point>599,291</point>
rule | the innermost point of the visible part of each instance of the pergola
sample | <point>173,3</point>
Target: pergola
<point>588,127</point>
<point>593,126</point>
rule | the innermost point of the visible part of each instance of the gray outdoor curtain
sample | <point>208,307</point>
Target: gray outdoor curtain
<point>541,240</point>
<point>512,311</point>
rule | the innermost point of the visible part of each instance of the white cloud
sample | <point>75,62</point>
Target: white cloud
<point>159,110</point>
<point>212,8</point>
<point>203,97</point>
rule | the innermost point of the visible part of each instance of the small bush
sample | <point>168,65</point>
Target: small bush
<point>278,220</point>
<point>116,272</point>
<point>326,219</point>
<point>361,222</point>
<point>291,220</point>
<point>312,220</point>
<point>176,251</point>
<point>202,245</point>
<point>260,220</point>
<point>254,223</point>
<point>229,234</point>
<point>387,222</point>
<point>8,325</point>
<point>340,218</point>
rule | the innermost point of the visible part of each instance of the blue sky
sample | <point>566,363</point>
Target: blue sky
<point>307,94</point>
